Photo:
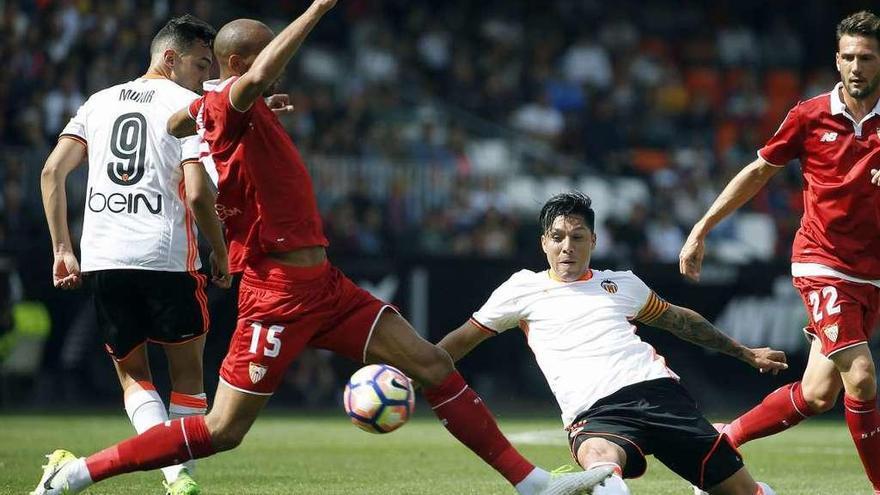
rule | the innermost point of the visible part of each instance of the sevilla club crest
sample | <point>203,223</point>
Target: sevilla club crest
<point>831,332</point>
<point>257,371</point>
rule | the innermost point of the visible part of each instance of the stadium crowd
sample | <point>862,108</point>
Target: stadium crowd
<point>678,97</point>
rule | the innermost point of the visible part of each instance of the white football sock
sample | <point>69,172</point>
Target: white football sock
<point>764,489</point>
<point>614,485</point>
<point>146,410</point>
<point>534,483</point>
<point>183,405</point>
<point>76,475</point>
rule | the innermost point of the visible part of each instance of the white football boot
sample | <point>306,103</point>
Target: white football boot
<point>54,480</point>
<point>565,481</point>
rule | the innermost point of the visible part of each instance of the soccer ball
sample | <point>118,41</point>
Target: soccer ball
<point>379,398</point>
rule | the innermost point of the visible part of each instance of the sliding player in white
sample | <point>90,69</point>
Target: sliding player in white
<point>619,401</point>
<point>139,246</point>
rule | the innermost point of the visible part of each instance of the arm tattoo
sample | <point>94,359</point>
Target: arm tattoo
<point>689,325</point>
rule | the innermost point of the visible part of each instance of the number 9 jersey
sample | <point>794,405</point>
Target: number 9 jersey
<point>135,213</point>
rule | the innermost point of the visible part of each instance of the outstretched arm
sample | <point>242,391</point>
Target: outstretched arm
<point>459,342</point>
<point>66,156</point>
<point>270,63</point>
<point>741,188</point>
<point>689,325</point>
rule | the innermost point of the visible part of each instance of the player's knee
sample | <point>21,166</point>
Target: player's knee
<point>434,367</point>
<point>820,399</point>
<point>863,384</point>
<point>821,403</point>
<point>598,450</point>
<point>226,439</point>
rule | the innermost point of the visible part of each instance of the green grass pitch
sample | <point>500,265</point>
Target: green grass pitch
<point>327,456</point>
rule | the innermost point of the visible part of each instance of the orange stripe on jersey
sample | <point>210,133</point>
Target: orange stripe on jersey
<point>583,278</point>
<point>76,138</point>
<point>653,308</point>
<point>192,251</point>
<point>189,400</point>
<point>483,327</point>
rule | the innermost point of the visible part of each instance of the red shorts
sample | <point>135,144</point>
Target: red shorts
<point>842,313</point>
<point>282,309</point>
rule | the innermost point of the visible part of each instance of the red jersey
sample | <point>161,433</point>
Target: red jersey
<point>265,197</point>
<point>841,223</point>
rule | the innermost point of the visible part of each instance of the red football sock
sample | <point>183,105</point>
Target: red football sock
<point>163,445</point>
<point>463,413</point>
<point>864,426</point>
<point>779,411</point>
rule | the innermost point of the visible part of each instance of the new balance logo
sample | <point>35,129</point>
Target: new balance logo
<point>829,137</point>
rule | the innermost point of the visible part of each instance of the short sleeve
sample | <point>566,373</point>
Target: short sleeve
<point>646,304</point>
<point>501,312</point>
<point>189,148</point>
<point>218,111</point>
<point>76,128</point>
<point>787,143</point>
<point>195,106</point>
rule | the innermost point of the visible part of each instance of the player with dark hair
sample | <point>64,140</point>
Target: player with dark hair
<point>290,295</point>
<point>180,34</point>
<point>619,401</point>
<point>836,252</point>
<point>139,246</point>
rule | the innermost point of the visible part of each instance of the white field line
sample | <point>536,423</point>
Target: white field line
<point>539,437</point>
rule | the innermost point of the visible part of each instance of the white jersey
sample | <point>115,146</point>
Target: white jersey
<point>135,214</point>
<point>581,332</point>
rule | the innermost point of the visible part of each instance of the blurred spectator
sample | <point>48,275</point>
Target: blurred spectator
<point>665,238</point>
<point>737,45</point>
<point>587,62</point>
<point>495,236</point>
<point>539,119</point>
<point>61,103</point>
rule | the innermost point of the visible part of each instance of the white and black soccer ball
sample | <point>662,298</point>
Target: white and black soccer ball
<point>379,398</point>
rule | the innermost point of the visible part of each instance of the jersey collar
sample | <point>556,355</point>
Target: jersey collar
<point>838,107</point>
<point>217,84</point>
<point>586,276</point>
